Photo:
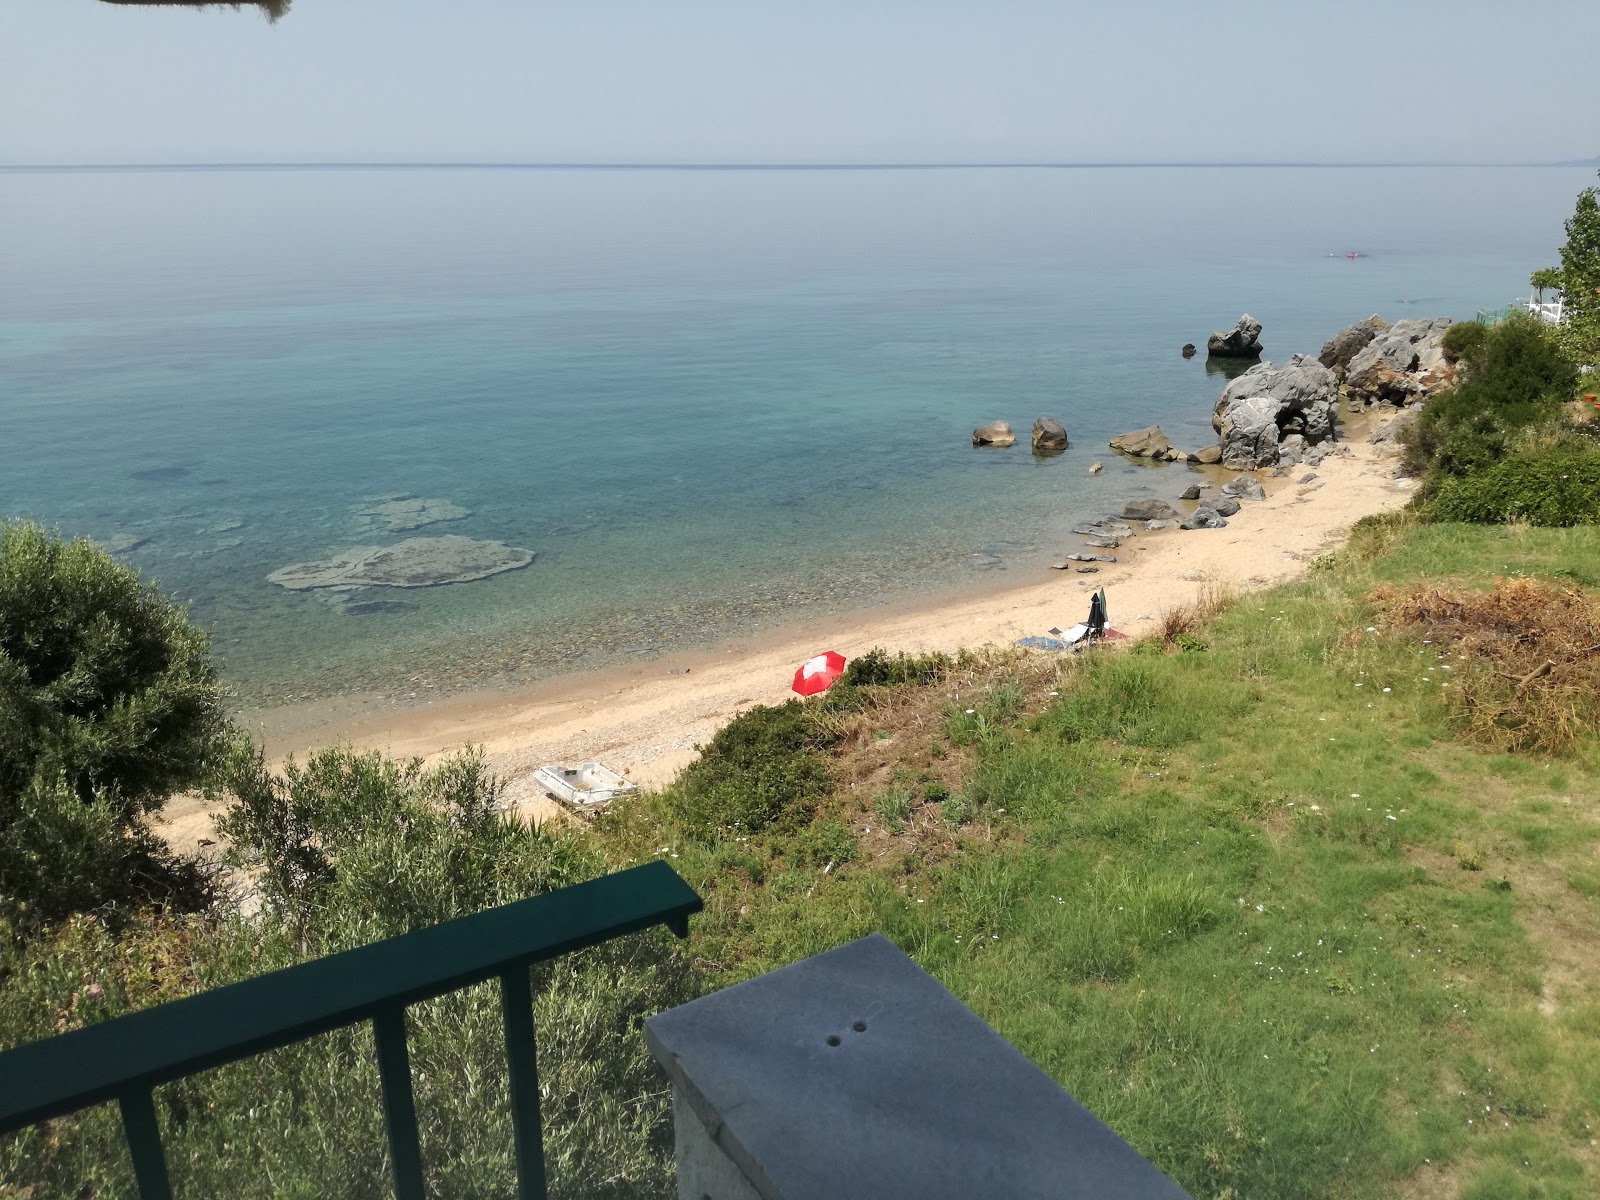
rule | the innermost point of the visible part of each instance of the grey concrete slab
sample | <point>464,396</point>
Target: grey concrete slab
<point>855,1074</point>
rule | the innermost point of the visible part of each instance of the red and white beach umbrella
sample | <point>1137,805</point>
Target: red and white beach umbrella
<point>817,674</point>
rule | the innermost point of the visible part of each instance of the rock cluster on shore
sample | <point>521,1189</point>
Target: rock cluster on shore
<point>1399,364</point>
<point>1275,418</point>
<point>1274,415</point>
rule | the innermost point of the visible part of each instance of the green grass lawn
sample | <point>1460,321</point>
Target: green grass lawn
<point>1258,905</point>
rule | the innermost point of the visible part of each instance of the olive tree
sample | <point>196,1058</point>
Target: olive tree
<point>109,703</point>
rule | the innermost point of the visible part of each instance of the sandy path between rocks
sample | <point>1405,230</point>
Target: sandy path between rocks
<point>646,721</point>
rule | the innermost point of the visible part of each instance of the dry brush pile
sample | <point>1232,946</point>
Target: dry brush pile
<point>1530,653</point>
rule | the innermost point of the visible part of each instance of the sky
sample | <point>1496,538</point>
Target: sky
<point>756,81</point>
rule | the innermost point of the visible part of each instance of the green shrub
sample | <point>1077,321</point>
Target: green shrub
<point>1464,341</point>
<point>1541,487</point>
<point>108,695</point>
<point>1517,376</point>
<point>760,769</point>
<point>877,668</point>
<point>401,845</point>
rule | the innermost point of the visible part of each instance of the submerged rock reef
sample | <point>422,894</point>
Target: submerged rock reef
<point>413,563</point>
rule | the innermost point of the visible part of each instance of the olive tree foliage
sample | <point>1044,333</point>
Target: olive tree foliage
<point>1580,278</point>
<point>109,703</point>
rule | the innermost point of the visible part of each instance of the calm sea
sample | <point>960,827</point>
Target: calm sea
<point>711,400</point>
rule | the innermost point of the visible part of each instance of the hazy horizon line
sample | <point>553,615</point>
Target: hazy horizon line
<point>404,165</point>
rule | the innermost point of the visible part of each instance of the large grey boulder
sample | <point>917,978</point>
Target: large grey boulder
<point>1250,433</point>
<point>1226,505</point>
<point>1049,435</point>
<point>1148,510</point>
<point>1342,347</point>
<point>1300,397</point>
<point>1243,341</point>
<point>413,563</point>
<point>1149,442</point>
<point>1403,364</point>
<point>995,433</point>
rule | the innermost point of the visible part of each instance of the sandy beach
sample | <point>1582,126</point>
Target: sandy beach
<point>646,720</point>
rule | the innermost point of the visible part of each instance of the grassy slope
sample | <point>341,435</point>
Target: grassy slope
<point>1257,906</point>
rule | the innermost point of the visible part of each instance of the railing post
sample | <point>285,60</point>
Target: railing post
<point>516,1008</point>
<point>143,1132</point>
<point>399,1109</point>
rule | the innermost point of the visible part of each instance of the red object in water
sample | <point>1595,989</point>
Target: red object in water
<point>817,674</point>
<point>1352,254</point>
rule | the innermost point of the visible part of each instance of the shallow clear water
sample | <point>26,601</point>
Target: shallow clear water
<point>709,400</point>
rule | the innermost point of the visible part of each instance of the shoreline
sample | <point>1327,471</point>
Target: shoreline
<point>646,719</point>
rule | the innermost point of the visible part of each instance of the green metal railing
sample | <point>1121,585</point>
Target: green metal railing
<point>125,1058</point>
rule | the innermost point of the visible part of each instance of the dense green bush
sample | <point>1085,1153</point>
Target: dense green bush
<point>1464,340</point>
<point>393,844</point>
<point>1516,377</point>
<point>108,704</point>
<point>878,668</point>
<point>1541,486</point>
<point>760,769</point>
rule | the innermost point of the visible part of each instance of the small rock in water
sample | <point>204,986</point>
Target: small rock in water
<point>995,433</point>
<point>1188,350</point>
<point>986,562</point>
<point>1097,467</point>
<point>1192,492</point>
<point>373,608</point>
<point>1049,436</point>
<point>1107,528</point>
<point>1148,442</point>
<point>123,543</point>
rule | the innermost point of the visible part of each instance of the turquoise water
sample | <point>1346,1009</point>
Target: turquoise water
<point>710,400</point>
